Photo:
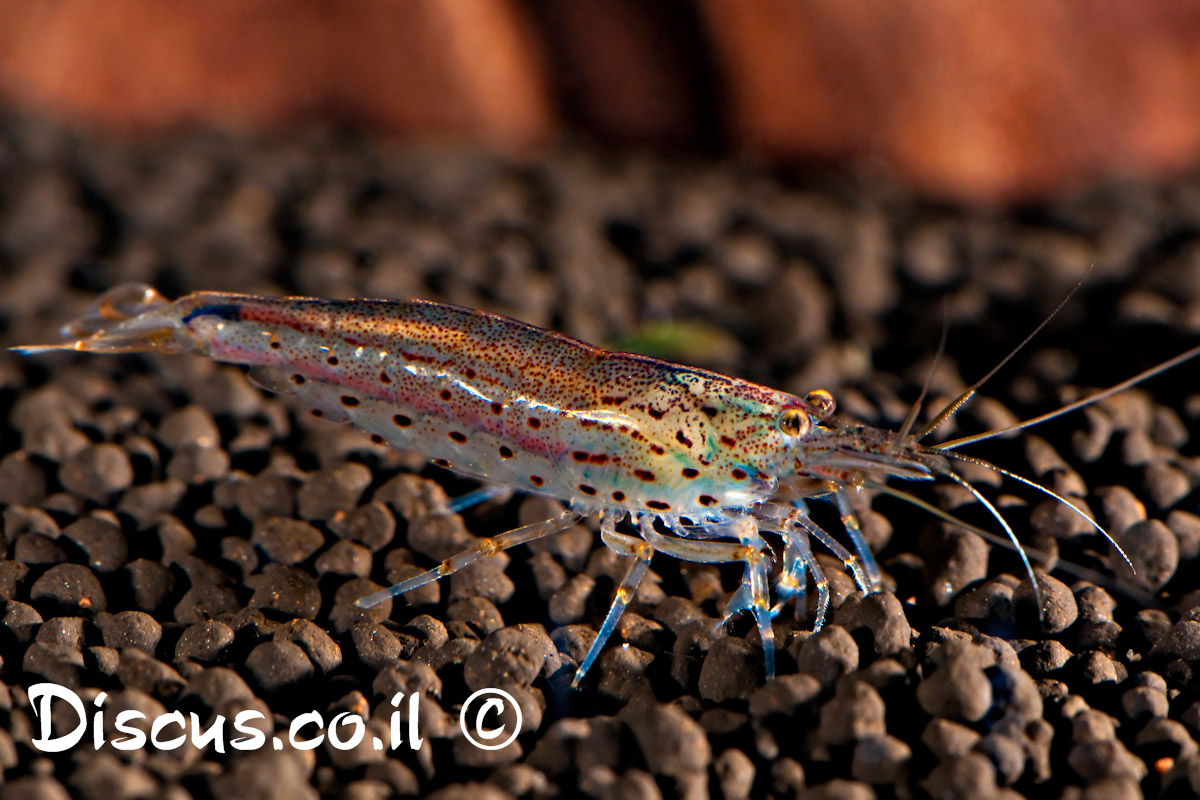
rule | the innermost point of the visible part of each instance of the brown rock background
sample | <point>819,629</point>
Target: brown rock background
<point>977,101</point>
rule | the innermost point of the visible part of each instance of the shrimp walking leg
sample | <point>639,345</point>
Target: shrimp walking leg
<point>642,552</point>
<point>854,531</point>
<point>798,562</point>
<point>484,549</point>
<point>753,594</point>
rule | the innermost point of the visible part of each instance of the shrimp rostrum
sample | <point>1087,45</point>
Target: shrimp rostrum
<point>688,462</point>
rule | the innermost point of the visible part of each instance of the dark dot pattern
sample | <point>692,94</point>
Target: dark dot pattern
<point>497,399</point>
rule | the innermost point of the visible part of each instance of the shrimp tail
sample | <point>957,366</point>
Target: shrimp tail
<point>129,318</point>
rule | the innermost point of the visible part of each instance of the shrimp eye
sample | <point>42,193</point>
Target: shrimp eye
<point>822,404</point>
<point>793,422</point>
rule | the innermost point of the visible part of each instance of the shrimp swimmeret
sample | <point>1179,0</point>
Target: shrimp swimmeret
<point>701,464</point>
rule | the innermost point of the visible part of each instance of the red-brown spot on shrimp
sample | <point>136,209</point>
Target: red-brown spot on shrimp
<point>376,438</point>
<point>385,378</point>
<point>534,422</point>
<point>497,408</point>
<point>683,440</point>
<point>349,400</point>
<point>657,449</point>
<point>709,410</point>
<point>738,474</point>
<point>762,476</point>
<point>583,487</point>
<point>536,480</point>
<point>275,345</point>
<point>656,413</point>
<point>599,458</point>
<point>580,456</point>
<point>332,361</point>
<point>458,437</point>
<point>728,441</point>
<point>658,505</point>
<point>468,373</point>
<point>402,420</point>
<point>298,379</point>
<point>690,472</point>
<point>318,413</point>
<point>441,462</point>
<point>707,500</point>
<point>613,400</point>
<point>645,475</point>
<point>505,452</point>
<point>618,496</point>
<point>445,395</point>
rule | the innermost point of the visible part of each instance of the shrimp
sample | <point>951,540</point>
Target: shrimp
<point>700,464</point>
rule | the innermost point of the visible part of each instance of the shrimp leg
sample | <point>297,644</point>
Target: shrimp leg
<point>753,594</point>
<point>641,551</point>
<point>484,549</point>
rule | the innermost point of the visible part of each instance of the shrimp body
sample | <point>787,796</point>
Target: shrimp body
<point>699,463</point>
<point>501,400</point>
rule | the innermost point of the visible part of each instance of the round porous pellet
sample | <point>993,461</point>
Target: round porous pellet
<point>72,586</point>
<point>486,578</point>
<point>955,559</point>
<point>880,613</point>
<point>855,712</point>
<point>286,541</point>
<point>828,654</point>
<point>880,759</point>
<point>150,581</point>
<point>97,472</point>
<point>196,465</point>
<point>102,540</point>
<point>946,739</point>
<point>991,600</point>
<point>966,775</point>
<point>265,496</point>
<point>285,590</point>
<point>22,482</point>
<point>1166,484</point>
<point>20,621</point>
<point>730,670</point>
<point>1042,658</point>
<point>1154,552</point>
<point>672,743</point>
<point>569,604</point>
<point>148,502</point>
<point>130,629</point>
<point>62,632</point>
<point>333,492</point>
<point>344,558</point>
<point>371,525</point>
<point>1058,610</point>
<point>507,657</point>
<point>735,774</point>
<point>376,646</point>
<point>204,641</point>
<point>321,650</point>
<point>958,689</point>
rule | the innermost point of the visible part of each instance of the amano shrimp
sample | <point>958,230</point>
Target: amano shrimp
<point>700,464</point>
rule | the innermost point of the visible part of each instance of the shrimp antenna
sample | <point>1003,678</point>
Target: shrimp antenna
<point>1158,369</point>
<point>1098,578</point>
<point>915,409</point>
<point>965,397</point>
<point>1034,485</point>
<point>1008,531</point>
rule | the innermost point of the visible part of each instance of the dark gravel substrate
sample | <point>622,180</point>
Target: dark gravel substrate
<point>179,540</point>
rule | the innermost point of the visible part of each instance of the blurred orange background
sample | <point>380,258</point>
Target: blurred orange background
<point>969,101</point>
